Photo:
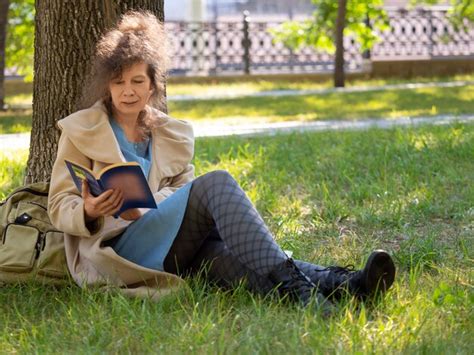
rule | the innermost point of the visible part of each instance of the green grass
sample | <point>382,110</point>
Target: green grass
<point>15,121</point>
<point>339,106</point>
<point>246,86</point>
<point>18,92</point>
<point>331,198</point>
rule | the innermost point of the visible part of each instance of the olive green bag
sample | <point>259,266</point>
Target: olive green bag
<point>31,248</point>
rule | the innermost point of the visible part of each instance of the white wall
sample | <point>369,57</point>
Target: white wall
<point>185,10</point>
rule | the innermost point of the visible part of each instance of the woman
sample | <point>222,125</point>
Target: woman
<point>203,223</point>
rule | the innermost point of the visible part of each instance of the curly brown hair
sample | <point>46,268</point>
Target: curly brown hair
<point>137,37</point>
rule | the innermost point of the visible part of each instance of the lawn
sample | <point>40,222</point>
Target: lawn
<point>335,106</point>
<point>331,198</point>
<point>391,104</point>
<point>297,82</point>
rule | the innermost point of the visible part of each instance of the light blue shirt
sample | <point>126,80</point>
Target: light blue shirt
<point>139,152</point>
<point>147,241</point>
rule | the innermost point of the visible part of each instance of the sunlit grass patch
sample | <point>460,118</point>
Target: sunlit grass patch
<point>335,106</point>
<point>22,99</point>
<point>17,121</point>
<point>12,167</point>
<point>250,86</point>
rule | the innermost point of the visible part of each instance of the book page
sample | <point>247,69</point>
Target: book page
<point>78,174</point>
<point>116,165</point>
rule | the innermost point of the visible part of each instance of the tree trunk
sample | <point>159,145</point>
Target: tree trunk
<point>3,35</point>
<point>339,60</point>
<point>64,44</point>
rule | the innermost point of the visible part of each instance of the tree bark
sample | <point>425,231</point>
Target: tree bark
<point>339,60</point>
<point>3,36</point>
<point>64,44</point>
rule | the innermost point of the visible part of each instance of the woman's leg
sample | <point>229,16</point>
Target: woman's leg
<point>219,266</point>
<point>225,269</point>
<point>217,201</point>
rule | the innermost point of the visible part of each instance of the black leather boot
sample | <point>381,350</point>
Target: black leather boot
<point>376,277</point>
<point>292,282</point>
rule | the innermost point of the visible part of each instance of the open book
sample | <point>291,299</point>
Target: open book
<point>128,177</point>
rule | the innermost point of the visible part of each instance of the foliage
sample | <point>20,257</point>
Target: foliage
<point>461,13</point>
<point>330,197</point>
<point>20,37</point>
<point>319,31</point>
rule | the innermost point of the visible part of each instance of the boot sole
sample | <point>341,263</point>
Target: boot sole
<point>379,272</point>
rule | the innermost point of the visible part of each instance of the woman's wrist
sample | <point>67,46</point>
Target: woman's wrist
<point>88,218</point>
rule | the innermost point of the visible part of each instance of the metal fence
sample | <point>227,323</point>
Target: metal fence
<point>215,48</point>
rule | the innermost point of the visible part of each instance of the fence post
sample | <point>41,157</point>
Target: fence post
<point>432,31</point>
<point>246,42</point>
<point>213,69</point>
<point>366,54</point>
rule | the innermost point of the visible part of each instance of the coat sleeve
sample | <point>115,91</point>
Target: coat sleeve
<point>176,182</point>
<point>65,205</point>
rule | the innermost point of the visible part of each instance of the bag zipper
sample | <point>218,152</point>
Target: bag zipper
<point>26,189</point>
<point>40,241</point>
<point>39,244</point>
<point>37,204</point>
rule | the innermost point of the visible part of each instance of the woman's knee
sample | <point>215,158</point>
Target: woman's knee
<point>216,176</point>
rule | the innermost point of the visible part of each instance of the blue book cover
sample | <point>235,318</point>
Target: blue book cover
<point>128,177</point>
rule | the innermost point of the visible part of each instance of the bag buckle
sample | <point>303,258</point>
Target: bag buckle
<point>23,218</point>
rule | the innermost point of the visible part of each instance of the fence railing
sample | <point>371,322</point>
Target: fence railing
<point>215,48</point>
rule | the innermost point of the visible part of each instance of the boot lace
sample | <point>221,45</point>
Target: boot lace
<point>298,276</point>
<point>348,269</point>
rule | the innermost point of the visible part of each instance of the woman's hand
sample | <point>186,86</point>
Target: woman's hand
<point>106,204</point>
<point>131,214</point>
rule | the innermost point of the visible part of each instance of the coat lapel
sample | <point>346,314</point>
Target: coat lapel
<point>173,147</point>
<point>90,132</point>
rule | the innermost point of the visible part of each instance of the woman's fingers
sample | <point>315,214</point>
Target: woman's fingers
<point>85,189</point>
<point>112,204</point>
<point>104,196</point>
<point>117,198</point>
<point>106,204</point>
<point>113,210</point>
<point>115,206</point>
<point>113,200</point>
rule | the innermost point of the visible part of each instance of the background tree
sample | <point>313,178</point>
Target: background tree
<point>321,30</point>
<point>461,13</point>
<point>339,58</point>
<point>64,44</point>
<point>3,33</point>
<point>20,37</point>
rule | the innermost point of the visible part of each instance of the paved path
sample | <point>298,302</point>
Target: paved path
<point>220,130</point>
<point>9,142</point>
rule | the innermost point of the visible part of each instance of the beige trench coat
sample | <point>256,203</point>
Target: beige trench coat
<point>87,139</point>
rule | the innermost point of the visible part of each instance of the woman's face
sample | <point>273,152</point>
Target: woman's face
<point>131,91</point>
